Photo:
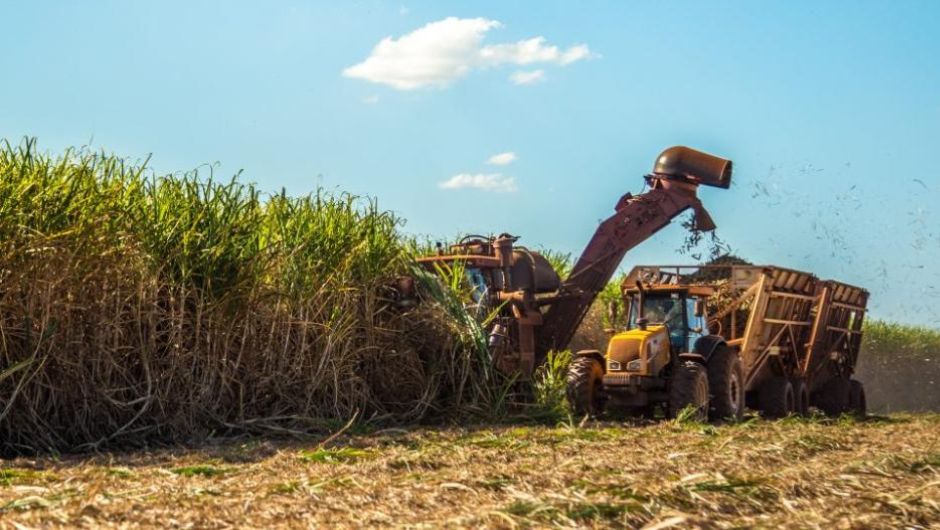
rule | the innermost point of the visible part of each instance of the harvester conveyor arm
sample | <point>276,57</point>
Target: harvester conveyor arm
<point>636,219</point>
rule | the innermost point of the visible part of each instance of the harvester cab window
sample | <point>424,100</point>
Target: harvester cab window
<point>478,283</point>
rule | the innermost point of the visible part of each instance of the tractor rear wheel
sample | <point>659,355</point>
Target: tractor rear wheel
<point>833,397</point>
<point>585,386</point>
<point>800,396</point>
<point>777,399</point>
<point>857,404</point>
<point>688,387</point>
<point>726,385</point>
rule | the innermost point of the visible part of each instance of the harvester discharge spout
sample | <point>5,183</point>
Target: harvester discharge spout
<point>687,164</point>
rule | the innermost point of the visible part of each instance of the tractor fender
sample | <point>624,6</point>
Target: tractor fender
<point>707,345</point>
<point>692,357</point>
<point>594,354</point>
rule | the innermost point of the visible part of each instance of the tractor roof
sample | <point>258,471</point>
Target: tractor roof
<point>694,290</point>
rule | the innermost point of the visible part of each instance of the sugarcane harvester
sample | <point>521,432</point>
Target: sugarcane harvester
<point>533,310</point>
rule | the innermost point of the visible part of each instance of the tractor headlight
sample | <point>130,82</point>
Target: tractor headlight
<point>634,365</point>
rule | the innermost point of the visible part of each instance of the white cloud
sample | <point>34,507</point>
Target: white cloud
<point>502,159</point>
<point>523,77</point>
<point>442,52</point>
<point>370,100</point>
<point>533,50</point>
<point>486,182</point>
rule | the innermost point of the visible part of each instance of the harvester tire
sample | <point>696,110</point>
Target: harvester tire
<point>833,397</point>
<point>776,397</point>
<point>688,387</point>
<point>857,404</point>
<point>726,385</point>
<point>800,396</point>
<point>585,386</point>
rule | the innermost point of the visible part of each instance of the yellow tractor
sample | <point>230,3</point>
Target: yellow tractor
<point>665,357</point>
<point>714,338</point>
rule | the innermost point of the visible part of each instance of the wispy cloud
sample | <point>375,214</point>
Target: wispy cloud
<point>523,77</point>
<point>486,182</point>
<point>370,100</point>
<point>441,52</point>
<point>502,159</point>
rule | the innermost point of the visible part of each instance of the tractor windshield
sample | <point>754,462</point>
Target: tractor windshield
<point>664,309</point>
<point>668,309</point>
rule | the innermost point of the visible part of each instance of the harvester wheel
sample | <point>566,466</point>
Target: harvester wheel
<point>585,386</point>
<point>857,404</point>
<point>800,396</point>
<point>689,388</point>
<point>777,399</point>
<point>726,384</point>
<point>833,397</point>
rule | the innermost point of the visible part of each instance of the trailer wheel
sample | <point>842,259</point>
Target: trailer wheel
<point>833,398</point>
<point>726,383</point>
<point>777,399</point>
<point>689,388</point>
<point>800,396</point>
<point>857,404</point>
<point>585,387</point>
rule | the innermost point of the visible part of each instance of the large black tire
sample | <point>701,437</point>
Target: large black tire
<point>688,387</point>
<point>585,386</point>
<point>857,404</point>
<point>726,385</point>
<point>833,397</point>
<point>800,396</point>
<point>776,397</point>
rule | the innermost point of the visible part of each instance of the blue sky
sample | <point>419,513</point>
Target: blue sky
<point>830,111</point>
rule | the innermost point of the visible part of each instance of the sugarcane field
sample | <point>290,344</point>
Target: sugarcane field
<point>470,265</point>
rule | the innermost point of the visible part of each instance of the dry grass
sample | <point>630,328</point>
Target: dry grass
<point>882,473</point>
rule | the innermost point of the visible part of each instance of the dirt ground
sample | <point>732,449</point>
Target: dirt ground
<point>881,473</point>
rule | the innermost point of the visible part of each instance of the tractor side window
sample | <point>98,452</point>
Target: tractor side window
<point>697,325</point>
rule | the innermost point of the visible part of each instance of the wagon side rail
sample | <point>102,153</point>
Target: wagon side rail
<point>779,324</point>
<point>836,338</point>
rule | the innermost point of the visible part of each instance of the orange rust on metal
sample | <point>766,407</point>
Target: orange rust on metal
<point>469,259</point>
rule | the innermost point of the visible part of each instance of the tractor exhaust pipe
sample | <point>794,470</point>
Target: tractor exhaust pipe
<point>688,164</point>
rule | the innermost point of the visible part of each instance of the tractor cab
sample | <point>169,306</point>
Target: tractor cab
<point>663,321</point>
<point>681,310</point>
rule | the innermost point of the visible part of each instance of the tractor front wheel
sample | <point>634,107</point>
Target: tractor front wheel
<point>688,389</point>
<point>585,386</point>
